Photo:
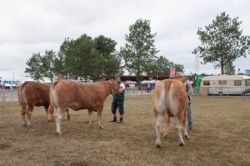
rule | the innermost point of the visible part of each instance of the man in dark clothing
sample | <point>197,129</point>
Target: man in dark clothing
<point>190,93</point>
<point>118,102</point>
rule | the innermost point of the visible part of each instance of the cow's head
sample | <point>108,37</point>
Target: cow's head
<point>114,87</point>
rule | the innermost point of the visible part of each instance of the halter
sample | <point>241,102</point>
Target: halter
<point>111,87</point>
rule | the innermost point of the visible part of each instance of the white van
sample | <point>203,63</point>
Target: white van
<point>224,84</point>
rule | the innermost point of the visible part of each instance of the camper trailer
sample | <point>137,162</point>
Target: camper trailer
<point>225,85</point>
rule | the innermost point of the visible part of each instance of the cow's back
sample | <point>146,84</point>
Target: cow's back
<point>34,93</point>
<point>170,95</point>
<point>63,92</point>
<point>177,98</point>
<point>66,93</point>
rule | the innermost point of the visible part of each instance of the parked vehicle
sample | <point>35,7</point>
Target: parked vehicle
<point>225,85</point>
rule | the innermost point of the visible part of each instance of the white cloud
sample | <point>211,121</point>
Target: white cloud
<point>33,26</point>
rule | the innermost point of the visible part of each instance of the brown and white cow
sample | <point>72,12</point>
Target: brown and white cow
<point>170,100</point>
<point>70,94</point>
<point>32,94</point>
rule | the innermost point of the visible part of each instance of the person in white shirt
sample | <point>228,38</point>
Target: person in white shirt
<point>118,102</point>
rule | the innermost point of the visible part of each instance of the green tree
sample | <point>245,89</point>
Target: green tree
<point>179,68</point>
<point>87,58</point>
<point>161,66</point>
<point>229,68</point>
<point>34,67</point>
<point>158,66</point>
<point>222,42</point>
<point>139,49</point>
<point>48,64</point>
<point>84,59</point>
<point>63,61</point>
<point>110,61</point>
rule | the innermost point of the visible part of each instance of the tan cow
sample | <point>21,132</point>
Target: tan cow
<point>32,94</point>
<point>70,94</point>
<point>170,100</point>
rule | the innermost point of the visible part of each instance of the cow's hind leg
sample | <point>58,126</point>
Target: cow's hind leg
<point>180,128</point>
<point>59,116</point>
<point>166,125</point>
<point>158,128</point>
<point>185,124</point>
<point>186,132</point>
<point>29,110</point>
<point>68,115</point>
<point>46,109</point>
<point>50,114</point>
<point>90,112</point>
<point>99,114</point>
<point>23,114</point>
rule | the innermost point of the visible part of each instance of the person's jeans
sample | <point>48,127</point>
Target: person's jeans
<point>117,104</point>
<point>190,122</point>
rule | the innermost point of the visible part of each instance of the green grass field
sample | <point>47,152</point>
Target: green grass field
<point>220,136</point>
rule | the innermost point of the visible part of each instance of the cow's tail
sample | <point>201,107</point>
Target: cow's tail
<point>168,87</point>
<point>21,99</point>
<point>53,104</point>
<point>160,96</point>
<point>19,93</point>
<point>53,94</point>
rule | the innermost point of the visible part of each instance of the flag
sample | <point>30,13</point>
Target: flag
<point>172,72</point>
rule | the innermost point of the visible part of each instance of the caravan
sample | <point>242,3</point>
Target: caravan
<point>225,85</point>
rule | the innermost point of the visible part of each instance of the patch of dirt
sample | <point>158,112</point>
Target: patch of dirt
<point>4,146</point>
<point>68,163</point>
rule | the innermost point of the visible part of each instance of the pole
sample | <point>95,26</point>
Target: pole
<point>13,80</point>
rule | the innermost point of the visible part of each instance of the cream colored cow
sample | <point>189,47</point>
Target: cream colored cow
<point>170,100</point>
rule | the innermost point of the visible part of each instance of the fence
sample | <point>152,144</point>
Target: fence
<point>8,95</point>
<point>136,92</point>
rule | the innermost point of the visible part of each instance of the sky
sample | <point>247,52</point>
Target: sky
<point>29,26</point>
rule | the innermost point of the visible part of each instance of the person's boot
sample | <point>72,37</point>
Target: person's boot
<point>121,119</point>
<point>114,120</point>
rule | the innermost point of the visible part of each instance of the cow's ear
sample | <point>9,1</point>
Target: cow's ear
<point>111,83</point>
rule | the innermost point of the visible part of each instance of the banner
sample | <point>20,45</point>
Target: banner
<point>172,72</point>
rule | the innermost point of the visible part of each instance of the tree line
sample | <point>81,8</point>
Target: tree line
<point>85,58</point>
<point>90,58</point>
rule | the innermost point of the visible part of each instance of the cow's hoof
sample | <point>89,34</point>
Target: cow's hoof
<point>68,118</point>
<point>165,135</point>
<point>186,136</point>
<point>24,125</point>
<point>158,146</point>
<point>181,144</point>
<point>59,134</point>
<point>101,127</point>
